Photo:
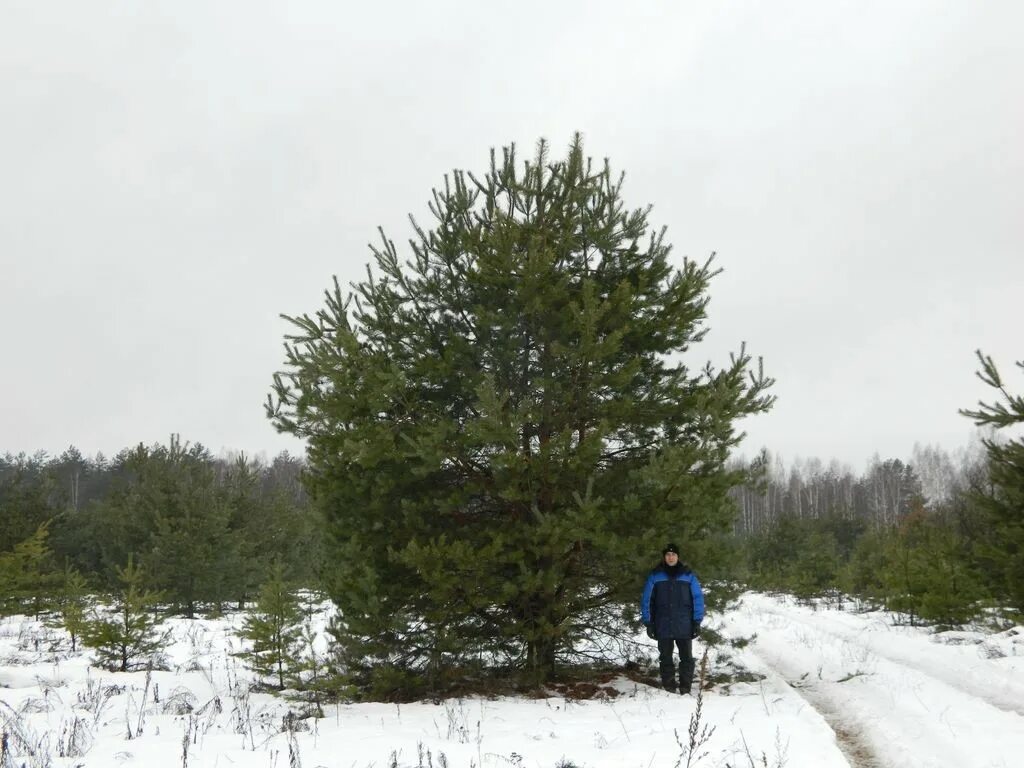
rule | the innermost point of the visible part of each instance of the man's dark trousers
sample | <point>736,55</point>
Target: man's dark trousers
<point>686,664</point>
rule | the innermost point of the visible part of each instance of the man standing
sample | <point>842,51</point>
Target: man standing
<point>672,608</point>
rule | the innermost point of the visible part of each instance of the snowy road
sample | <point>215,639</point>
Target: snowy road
<point>895,696</point>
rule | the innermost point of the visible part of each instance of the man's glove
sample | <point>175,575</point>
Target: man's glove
<point>650,632</point>
<point>696,629</point>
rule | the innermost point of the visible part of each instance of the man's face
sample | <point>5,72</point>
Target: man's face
<point>671,558</point>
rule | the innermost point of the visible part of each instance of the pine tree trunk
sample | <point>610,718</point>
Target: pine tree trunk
<point>540,661</point>
<point>540,651</point>
<point>279,652</point>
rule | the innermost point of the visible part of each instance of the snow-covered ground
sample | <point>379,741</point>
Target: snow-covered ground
<point>836,689</point>
<point>895,695</point>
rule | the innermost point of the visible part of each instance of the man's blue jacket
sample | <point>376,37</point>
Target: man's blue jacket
<point>672,602</point>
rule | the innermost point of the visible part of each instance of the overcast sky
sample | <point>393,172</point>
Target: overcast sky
<point>173,175</point>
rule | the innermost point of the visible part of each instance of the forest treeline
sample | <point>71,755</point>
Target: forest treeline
<point>206,532</point>
<point>919,538</point>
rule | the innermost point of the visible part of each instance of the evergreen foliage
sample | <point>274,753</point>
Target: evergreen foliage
<point>313,677</point>
<point>1000,498</point>
<point>206,529</point>
<point>71,603</point>
<point>129,632</point>
<point>29,497</point>
<point>273,522</point>
<point>168,511</point>
<point>925,573</point>
<point>893,549</point>
<point>28,575</point>
<point>194,553</point>
<point>504,427</point>
<point>274,629</point>
<point>804,557</point>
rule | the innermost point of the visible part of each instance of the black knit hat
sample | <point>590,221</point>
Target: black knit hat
<point>669,548</point>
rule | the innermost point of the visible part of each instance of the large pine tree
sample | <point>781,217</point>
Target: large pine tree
<point>504,429</point>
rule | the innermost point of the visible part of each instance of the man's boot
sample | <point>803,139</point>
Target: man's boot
<point>668,680</point>
<point>686,669</point>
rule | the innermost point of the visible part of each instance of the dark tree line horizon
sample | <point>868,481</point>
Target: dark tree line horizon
<point>44,486</point>
<point>205,531</point>
<point>938,539</point>
<point>89,503</point>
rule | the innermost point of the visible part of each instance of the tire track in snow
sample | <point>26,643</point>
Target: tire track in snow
<point>884,712</point>
<point>980,689</point>
<point>865,732</point>
<point>857,751</point>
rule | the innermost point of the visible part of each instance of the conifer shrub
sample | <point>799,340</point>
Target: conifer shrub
<point>128,635</point>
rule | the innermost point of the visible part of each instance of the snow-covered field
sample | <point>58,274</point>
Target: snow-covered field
<point>836,689</point>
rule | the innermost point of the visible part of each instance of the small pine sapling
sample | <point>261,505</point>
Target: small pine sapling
<point>29,575</point>
<point>71,603</point>
<point>130,632</point>
<point>273,628</point>
<point>311,675</point>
